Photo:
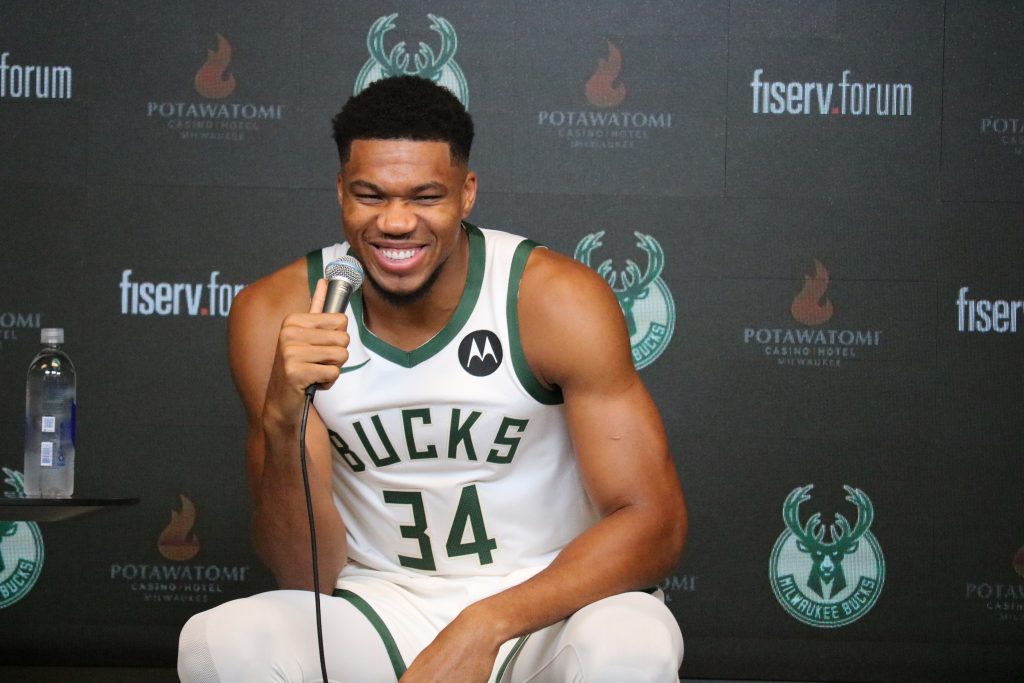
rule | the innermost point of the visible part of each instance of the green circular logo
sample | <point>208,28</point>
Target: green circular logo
<point>21,560</point>
<point>827,584</point>
<point>644,297</point>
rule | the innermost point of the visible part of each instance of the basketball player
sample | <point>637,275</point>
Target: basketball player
<point>493,493</point>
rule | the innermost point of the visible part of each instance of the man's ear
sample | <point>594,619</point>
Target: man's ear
<point>468,193</point>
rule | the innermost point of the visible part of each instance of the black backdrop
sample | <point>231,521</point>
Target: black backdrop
<point>804,329</point>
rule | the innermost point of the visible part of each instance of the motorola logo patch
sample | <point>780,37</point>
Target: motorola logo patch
<point>480,353</point>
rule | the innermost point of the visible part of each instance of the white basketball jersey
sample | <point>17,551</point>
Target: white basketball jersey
<point>452,459</point>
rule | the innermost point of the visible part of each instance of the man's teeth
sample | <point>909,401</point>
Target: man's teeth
<point>398,254</point>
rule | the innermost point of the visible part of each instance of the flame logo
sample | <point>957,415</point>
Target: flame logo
<point>1018,562</point>
<point>210,81</point>
<point>808,307</point>
<point>177,542</point>
<point>601,88</point>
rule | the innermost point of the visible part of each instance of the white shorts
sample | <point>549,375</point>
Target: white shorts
<point>374,627</point>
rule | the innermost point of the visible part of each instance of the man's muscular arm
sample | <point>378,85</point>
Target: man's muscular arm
<point>276,349</point>
<point>574,337</point>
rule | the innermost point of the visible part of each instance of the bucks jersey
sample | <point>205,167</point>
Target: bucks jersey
<point>452,459</point>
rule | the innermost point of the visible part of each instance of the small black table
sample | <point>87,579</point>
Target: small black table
<point>34,509</point>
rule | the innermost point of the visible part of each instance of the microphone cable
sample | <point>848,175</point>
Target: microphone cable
<point>312,529</point>
<point>344,276</point>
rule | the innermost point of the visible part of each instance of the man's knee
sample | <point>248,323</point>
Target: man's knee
<point>235,641</point>
<point>195,663</point>
<point>631,637</point>
<point>271,637</point>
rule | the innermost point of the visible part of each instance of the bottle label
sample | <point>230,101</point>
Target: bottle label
<point>46,454</point>
<point>49,424</point>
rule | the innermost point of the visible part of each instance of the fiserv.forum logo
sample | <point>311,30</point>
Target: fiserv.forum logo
<point>439,67</point>
<point>644,297</point>
<point>21,551</point>
<point>831,583</point>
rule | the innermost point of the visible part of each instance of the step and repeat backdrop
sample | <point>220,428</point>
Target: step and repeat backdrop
<point>811,212</point>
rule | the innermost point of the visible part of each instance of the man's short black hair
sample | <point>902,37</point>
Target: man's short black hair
<point>405,108</point>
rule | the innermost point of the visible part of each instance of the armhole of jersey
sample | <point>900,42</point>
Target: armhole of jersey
<point>526,377</point>
<point>314,268</point>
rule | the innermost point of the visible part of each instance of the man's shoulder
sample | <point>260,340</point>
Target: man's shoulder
<point>283,291</point>
<point>551,273</point>
<point>542,261</point>
<point>491,233</point>
<point>560,293</point>
<point>562,300</point>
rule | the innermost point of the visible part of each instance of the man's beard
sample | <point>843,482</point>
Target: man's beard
<point>402,299</point>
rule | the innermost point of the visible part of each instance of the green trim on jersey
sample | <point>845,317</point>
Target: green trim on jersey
<point>474,282</point>
<point>470,295</point>
<point>526,377</point>
<point>353,368</point>
<point>314,269</point>
<point>397,663</point>
<point>511,655</point>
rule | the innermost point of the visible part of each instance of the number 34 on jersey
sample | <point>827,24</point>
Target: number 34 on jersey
<point>467,516</point>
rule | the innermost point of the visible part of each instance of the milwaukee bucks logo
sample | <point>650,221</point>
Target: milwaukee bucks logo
<point>21,551</point>
<point>827,583</point>
<point>643,296</point>
<point>439,67</point>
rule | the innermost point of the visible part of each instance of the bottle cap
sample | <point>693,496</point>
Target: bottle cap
<point>51,335</point>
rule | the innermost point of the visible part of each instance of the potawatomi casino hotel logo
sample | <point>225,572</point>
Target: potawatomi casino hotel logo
<point>606,122</point>
<point>439,66</point>
<point>644,297</point>
<point>217,117</point>
<point>814,344</point>
<point>830,583</point>
<point>180,579</point>
<point>21,551</point>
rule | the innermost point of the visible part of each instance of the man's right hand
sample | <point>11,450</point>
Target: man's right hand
<point>311,348</point>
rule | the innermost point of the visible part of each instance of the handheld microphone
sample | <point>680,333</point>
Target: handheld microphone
<point>344,276</point>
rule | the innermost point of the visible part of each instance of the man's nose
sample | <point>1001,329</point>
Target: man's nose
<point>397,218</point>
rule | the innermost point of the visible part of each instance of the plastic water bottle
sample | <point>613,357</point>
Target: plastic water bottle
<point>50,420</point>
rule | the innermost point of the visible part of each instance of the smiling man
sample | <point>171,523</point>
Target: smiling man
<point>491,483</point>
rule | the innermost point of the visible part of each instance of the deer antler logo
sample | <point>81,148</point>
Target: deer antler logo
<point>808,573</point>
<point>643,296</point>
<point>21,551</point>
<point>827,557</point>
<point>439,67</point>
